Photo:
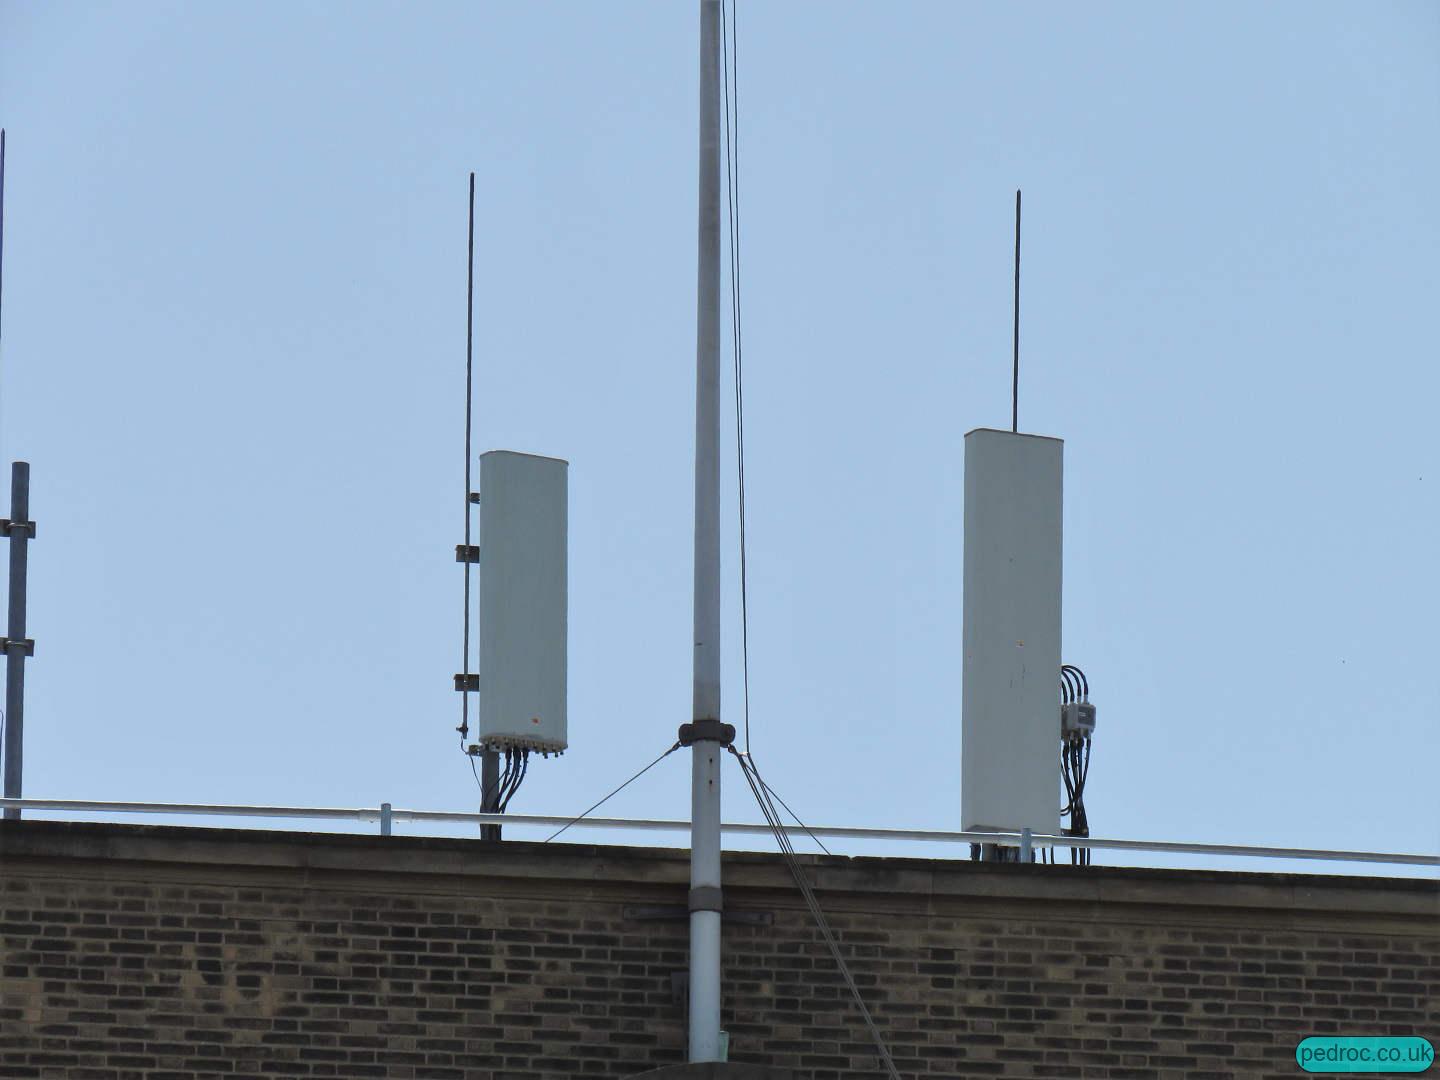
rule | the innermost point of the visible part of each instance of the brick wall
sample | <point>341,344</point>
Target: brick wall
<point>152,952</point>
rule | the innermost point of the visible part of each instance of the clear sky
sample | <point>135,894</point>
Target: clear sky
<point>234,355</point>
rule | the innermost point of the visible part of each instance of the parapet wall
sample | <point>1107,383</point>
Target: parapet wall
<point>136,951</point>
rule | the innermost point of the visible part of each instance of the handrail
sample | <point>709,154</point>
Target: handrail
<point>386,814</point>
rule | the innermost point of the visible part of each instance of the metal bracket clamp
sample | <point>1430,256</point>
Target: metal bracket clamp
<point>712,730</point>
<point>26,645</point>
<point>706,898</point>
<point>469,682</point>
<point>467,553</point>
<point>9,528</point>
<point>1077,720</point>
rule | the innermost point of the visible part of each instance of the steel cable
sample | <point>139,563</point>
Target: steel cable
<point>731,88</point>
<point>612,794</point>
<point>787,850</point>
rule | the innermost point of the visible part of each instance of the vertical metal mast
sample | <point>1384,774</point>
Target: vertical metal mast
<point>707,736</point>
<point>16,645</point>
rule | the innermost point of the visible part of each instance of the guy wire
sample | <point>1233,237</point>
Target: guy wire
<point>731,82</point>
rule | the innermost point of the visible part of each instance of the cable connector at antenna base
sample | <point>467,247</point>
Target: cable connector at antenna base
<point>707,730</point>
<point>545,748</point>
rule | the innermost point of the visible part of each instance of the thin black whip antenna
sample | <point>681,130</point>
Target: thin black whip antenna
<point>2,236</point>
<point>469,411</point>
<point>1015,378</point>
<point>2,227</point>
<point>2,276</point>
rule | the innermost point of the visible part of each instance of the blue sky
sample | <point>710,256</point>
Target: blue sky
<point>234,347</point>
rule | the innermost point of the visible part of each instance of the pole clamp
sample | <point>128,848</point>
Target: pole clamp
<point>703,730</point>
<point>25,645</point>
<point>706,898</point>
<point>10,528</point>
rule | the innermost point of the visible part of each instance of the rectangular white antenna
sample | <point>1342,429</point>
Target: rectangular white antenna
<point>523,586</point>
<point>1010,698</point>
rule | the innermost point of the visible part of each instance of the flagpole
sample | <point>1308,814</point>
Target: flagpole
<point>706,735</point>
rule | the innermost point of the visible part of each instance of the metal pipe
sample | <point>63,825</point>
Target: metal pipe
<point>333,813</point>
<point>934,836</point>
<point>16,646</point>
<point>707,380</point>
<point>386,818</point>
<point>705,845</point>
<point>705,902</point>
<point>489,790</point>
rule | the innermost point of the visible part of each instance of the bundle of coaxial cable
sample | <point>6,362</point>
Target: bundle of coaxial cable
<point>1077,722</point>
<point>517,763</point>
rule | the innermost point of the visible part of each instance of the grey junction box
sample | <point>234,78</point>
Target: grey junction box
<point>1009,748</point>
<point>523,595</point>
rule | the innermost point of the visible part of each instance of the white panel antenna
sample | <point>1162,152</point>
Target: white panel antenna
<point>1013,494</point>
<point>523,597</point>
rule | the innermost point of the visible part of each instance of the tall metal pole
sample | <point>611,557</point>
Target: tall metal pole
<point>707,736</point>
<point>17,647</point>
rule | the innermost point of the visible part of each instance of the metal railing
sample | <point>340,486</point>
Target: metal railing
<point>387,815</point>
